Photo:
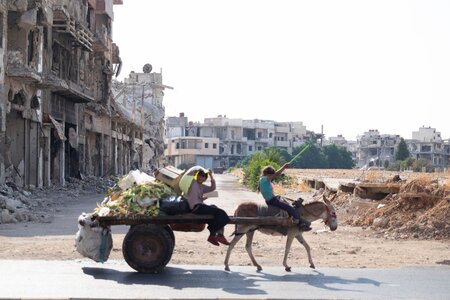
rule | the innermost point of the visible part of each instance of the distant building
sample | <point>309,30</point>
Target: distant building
<point>374,149</point>
<point>237,138</point>
<point>427,144</point>
<point>139,100</point>
<point>191,150</point>
<point>337,140</point>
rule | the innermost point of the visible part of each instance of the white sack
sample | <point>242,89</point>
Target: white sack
<point>92,240</point>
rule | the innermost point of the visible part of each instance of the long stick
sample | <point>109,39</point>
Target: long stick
<point>298,154</point>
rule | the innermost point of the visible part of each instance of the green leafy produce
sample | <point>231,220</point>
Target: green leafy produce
<point>130,201</point>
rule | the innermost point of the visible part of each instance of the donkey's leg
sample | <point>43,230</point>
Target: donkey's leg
<point>290,238</point>
<point>302,241</point>
<point>248,247</point>
<point>230,248</point>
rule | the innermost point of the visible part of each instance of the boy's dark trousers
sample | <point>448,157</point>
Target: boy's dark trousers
<point>275,201</point>
<point>215,226</point>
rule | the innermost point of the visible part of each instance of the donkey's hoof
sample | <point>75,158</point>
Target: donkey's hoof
<point>312,266</point>
<point>227,268</point>
<point>258,268</point>
<point>288,269</point>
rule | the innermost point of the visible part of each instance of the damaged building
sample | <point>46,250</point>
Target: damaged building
<point>58,119</point>
<point>222,142</point>
<point>373,148</point>
<point>138,101</point>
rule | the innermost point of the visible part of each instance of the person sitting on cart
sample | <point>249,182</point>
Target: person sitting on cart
<point>195,198</point>
<point>266,188</point>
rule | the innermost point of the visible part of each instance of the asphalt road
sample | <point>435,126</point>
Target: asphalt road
<point>115,280</point>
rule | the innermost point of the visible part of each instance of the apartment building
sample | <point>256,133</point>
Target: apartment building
<point>176,126</point>
<point>337,140</point>
<point>188,151</point>
<point>236,138</point>
<point>373,148</point>
<point>258,134</point>
<point>232,145</point>
<point>58,115</point>
<point>139,101</point>
<point>427,143</point>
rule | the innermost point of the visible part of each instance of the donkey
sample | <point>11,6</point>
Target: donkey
<point>310,212</point>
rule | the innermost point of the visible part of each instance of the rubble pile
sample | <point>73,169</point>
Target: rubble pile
<point>40,204</point>
<point>420,210</point>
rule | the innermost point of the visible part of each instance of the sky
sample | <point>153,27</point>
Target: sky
<point>349,66</point>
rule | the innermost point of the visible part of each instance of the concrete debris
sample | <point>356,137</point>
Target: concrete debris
<point>420,210</point>
<point>40,204</point>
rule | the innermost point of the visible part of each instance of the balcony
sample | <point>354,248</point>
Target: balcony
<point>64,23</point>
<point>70,90</point>
<point>17,69</point>
<point>284,144</point>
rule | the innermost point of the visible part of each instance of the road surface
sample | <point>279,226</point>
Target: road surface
<point>85,279</point>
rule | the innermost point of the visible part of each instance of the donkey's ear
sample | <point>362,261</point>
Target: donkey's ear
<point>328,200</point>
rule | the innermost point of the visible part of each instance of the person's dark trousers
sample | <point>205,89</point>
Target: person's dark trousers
<point>275,201</point>
<point>215,226</point>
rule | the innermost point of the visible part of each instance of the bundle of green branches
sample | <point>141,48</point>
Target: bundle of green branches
<point>139,199</point>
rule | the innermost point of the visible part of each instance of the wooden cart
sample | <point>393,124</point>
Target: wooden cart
<point>149,243</point>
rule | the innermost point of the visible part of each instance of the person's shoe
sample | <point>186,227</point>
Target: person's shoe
<point>213,240</point>
<point>221,239</point>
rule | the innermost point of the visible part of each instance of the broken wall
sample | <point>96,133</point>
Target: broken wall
<point>3,34</point>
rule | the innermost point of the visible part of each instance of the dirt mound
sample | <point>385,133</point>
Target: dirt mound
<point>420,210</point>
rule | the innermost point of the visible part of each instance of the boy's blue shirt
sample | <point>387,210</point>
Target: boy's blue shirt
<point>265,186</point>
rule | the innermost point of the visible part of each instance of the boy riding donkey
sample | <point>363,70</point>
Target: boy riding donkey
<point>266,188</point>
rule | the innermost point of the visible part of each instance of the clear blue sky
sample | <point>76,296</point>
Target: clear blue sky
<point>350,66</point>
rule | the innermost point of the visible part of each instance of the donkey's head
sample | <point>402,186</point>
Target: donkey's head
<point>331,218</point>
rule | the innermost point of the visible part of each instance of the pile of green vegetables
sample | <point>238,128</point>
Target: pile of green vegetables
<point>142,199</point>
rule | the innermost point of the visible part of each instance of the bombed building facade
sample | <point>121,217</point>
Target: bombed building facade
<point>139,100</point>
<point>58,118</point>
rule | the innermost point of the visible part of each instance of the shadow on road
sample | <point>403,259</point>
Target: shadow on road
<point>239,283</point>
<point>178,278</point>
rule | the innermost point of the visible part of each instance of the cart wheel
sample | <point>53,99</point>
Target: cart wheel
<point>147,248</point>
<point>172,235</point>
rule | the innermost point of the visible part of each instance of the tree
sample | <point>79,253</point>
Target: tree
<point>258,160</point>
<point>274,154</point>
<point>338,157</point>
<point>312,158</point>
<point>402,151</point>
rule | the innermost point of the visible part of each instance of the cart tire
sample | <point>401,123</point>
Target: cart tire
<point>148,248</point>
<point>172,235</point>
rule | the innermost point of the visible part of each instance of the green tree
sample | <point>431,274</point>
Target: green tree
<point>402,151</point>
<point>422,164</point>
<point>312,158</point>
<point>273,154</point>
<point>407,163</point>
<point>338,157</point>
<point>253,169</point>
